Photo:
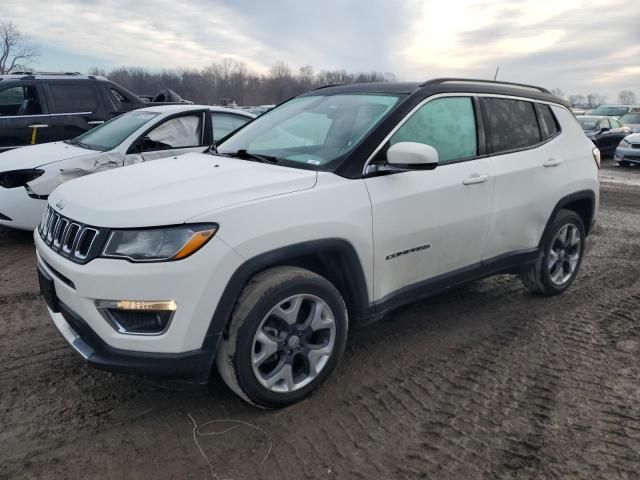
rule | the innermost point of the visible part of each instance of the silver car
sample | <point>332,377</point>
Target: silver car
<point>628,150</point>
<point>632,120</point>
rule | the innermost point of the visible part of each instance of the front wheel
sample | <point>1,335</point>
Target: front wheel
<point>560,257</point>
<point>286,336</point>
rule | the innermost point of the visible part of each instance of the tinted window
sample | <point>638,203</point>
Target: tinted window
<point>73,98</point>
<point>548,122</point>
<point>19,101</point>
<point>631,118</point>
<point>610,111</point>
<point>224,124</point>
<point>512,124</point>
<point>447,124</point>
<point>111,134</point>
<point>179,132</point>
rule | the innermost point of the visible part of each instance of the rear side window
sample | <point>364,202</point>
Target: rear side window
<point>224,124</point>
<point>512,124</point>
<point>73,98</point>
<point>447,124</point>
<point>19,101</point>
<point>548,122</point>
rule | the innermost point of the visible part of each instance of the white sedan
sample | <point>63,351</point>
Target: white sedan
<point>28,175</point>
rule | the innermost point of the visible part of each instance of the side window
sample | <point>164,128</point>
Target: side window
<point>179,132</point>
<point>604,123</point>
<point>512,124</point>
<point>548,122</point>
<point>447,124</point>
<point>19,101</point>
<point>73,98</point>
<point>616,123</point>
<point>224,124</point>
<point>119,101</point>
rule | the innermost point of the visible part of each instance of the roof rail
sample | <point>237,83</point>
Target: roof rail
<point>436,81</point>
<point>43,73</point>
<point>328,86</point>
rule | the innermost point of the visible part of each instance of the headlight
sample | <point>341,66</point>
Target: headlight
<point>624,143</point>
<point>158,244</point>
<point>19,178</point>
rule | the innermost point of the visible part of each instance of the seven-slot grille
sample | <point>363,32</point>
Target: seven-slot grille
<point>73,240</point>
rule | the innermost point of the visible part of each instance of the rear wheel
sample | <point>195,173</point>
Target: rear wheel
<point>560,257</point>
<point>624,164</point>
<point>286,336</point>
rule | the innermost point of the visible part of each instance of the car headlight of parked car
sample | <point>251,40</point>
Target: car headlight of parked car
<point>158,244</point>
<point>624,143</point>
<point>19,178</point>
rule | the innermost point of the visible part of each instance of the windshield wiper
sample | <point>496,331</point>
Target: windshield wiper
<point>78,143</point>
<point>244,155</point>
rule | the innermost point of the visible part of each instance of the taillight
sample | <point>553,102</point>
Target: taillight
<point>596,156</point>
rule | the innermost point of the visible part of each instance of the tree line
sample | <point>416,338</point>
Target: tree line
<point>593,100</point>
<point>231,81</point>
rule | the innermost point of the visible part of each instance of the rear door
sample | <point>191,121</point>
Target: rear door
<point>530,173</point>
<point>175,135</point>
<point>75,107</point>
<point>23,115</point>
<point>432,222</point>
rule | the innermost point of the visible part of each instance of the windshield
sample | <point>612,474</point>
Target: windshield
<point>112,133</point>
<point>588,123</point>
<point>311,130</point>
<point>631,118</point>
<point>610,111</point>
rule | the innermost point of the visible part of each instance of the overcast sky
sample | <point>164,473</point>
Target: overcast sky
<point>578,46</point>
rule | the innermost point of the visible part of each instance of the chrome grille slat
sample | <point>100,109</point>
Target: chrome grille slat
<point>69,239</point>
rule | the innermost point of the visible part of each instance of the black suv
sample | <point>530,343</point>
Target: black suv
<point>39,108</point>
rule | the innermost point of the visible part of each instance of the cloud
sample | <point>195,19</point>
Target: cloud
<point>576,45</point>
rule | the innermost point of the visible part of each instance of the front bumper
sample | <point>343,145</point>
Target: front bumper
<point>25,212</point>
<point>625,154</point>
<point>195,284</point>
<point>193,366</point>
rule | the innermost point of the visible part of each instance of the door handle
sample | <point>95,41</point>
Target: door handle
<point>96,122</point>
<point>552,162</point>
<point>475,178</point>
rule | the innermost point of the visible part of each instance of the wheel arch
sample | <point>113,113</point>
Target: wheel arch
<point>583,203</point>
<point>334,259</point>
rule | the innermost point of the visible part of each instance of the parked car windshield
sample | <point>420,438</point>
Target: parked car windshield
<point>312,130</point>
<point>588,123</point>
<point>630,118</point>
<point>112,133</point>
<point>610,111</point>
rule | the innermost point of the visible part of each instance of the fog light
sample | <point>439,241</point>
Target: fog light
<point>134,317</point>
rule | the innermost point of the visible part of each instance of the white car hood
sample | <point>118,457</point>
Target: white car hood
<point>172,190</point>
<point>34,156</point>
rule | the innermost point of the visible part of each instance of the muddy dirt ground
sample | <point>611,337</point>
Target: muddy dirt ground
<point>485,381</point>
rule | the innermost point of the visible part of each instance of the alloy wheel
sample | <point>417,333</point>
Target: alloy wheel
<point>564,254</point>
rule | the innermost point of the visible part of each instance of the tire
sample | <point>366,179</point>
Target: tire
<point>554,272</point>
<point>624,164</point>
<point>272,327</point>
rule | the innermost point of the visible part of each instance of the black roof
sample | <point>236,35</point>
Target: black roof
<point>445,85</point>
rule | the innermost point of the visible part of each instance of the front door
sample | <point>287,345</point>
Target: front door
<point>174,136</point>
<point>430,223</point>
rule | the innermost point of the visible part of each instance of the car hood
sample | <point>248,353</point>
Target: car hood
<point>633,138</point>
<point>34,156</point>
<point>172,190</point>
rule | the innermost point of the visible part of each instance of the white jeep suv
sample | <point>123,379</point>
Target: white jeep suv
<point>323,214</point>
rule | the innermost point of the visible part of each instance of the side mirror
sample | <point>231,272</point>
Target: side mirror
<point>412,156</point>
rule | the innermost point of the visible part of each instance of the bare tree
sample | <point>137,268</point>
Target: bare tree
<point>577,100</point>
<point>557,92</point>
<point>627,97</point>
<point>16,50</point>
<point>595,100</point>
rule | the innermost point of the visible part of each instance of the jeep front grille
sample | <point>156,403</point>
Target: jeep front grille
<point>76,241</point>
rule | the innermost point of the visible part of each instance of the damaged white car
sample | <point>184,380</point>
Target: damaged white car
<point>28,175</point>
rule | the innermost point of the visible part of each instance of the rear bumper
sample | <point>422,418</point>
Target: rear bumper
<point>193,366</point>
